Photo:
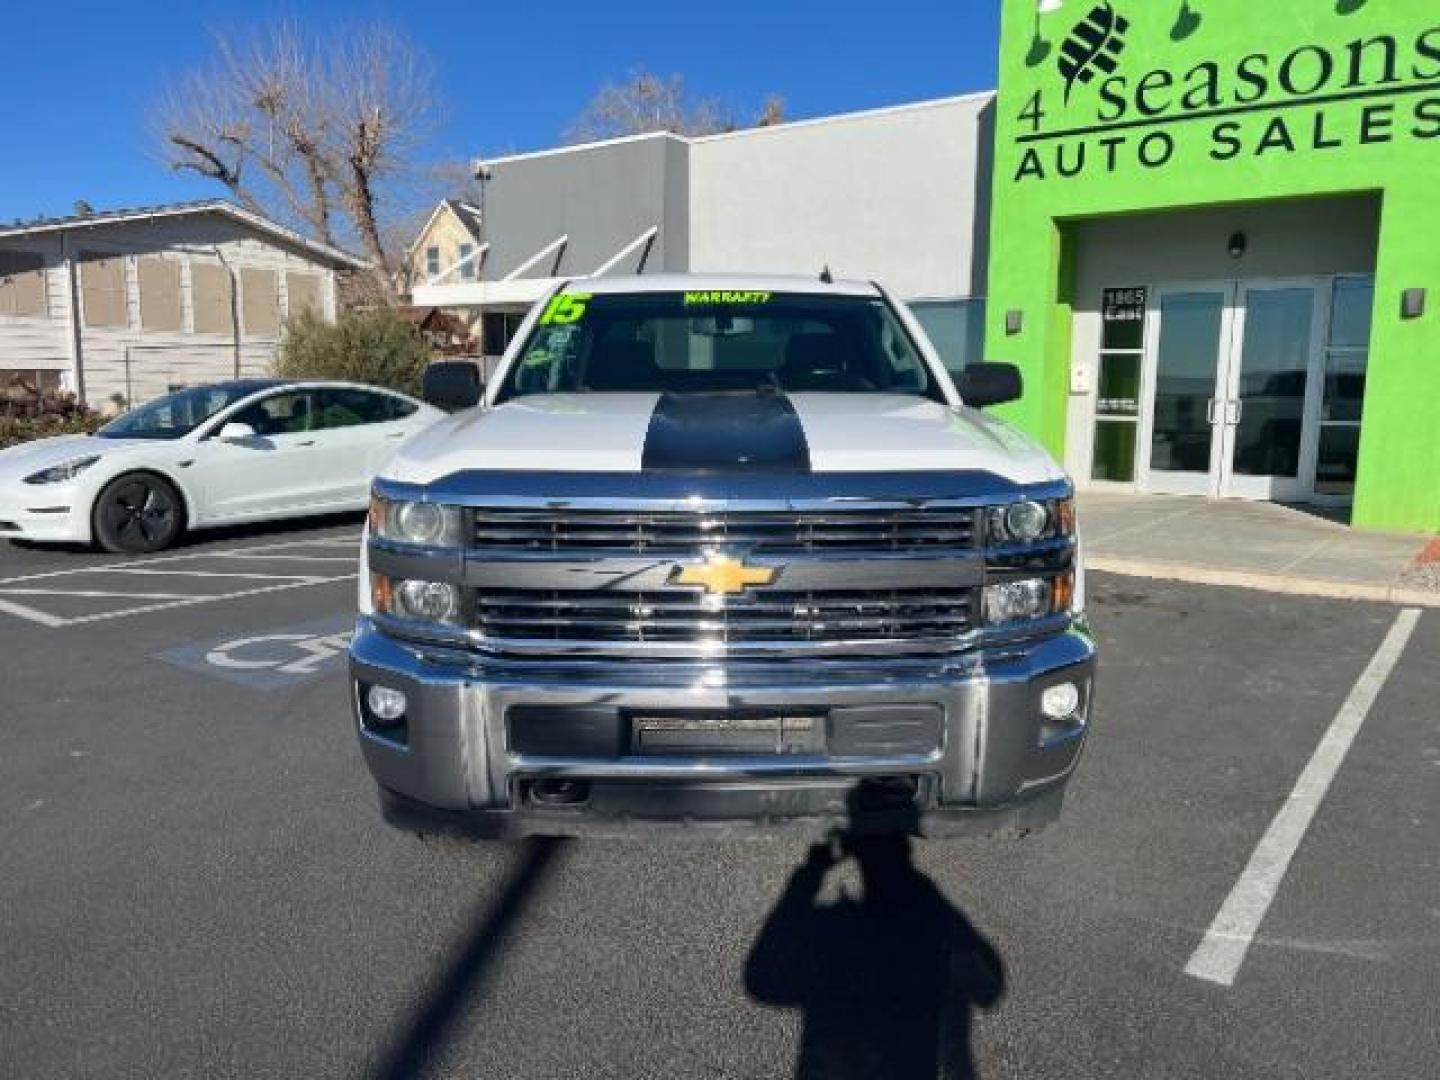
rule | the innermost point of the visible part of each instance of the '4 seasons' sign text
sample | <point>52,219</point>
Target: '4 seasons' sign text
<point>1363,92</point>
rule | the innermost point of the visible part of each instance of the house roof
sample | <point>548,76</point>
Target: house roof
<point>467,215</point>
<point>258,222</point>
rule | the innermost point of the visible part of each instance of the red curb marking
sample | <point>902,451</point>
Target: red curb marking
<point>1430,553</point>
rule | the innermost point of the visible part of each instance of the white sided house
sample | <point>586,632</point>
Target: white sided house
<point>132,303</point>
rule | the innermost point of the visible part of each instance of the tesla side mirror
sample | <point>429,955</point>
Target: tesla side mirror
<point>990,384</point>
<point>452,385</point>
<point>235,431</point>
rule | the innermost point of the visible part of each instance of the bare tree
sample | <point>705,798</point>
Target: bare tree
<point>322,132</point>
<point>645,102</point>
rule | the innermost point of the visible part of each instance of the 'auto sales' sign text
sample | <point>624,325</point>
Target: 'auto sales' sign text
<point>1371,90</point>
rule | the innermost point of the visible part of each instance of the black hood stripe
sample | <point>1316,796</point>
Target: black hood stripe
<point>724,432</point>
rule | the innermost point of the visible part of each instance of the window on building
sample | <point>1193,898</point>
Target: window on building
<point>40,380</point>
<point>1347,355</point>
<point>497,329</point>
<point>467,272</point>
<point>432,261</point>
<point>102,289</point>
<point>159,293</point>
<point>259,302</point>
<point>211,297</point>
<point>303,293</point>
<point>957,328</point>
<point>22,283</point>
<point>1117,400</point>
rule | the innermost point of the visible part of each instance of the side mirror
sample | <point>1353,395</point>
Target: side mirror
<point>452,385</point>
<point>990,384</point>
<point>235,431</point>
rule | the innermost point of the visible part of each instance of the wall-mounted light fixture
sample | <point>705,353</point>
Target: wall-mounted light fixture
<point>1014,321</point>
<point>1412,303</point>
<point>1040,48</point>
<point>1236,245</point>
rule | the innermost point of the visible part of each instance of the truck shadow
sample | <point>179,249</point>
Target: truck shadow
<point>887,983</point>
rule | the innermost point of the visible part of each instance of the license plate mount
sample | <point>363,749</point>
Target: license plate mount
<point>688,733</point>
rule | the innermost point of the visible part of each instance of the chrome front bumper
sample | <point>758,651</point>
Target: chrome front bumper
<point>995,764</point>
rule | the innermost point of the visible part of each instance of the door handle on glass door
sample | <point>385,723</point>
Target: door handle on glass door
<point>1210,411</point>
<point>1239,411</point>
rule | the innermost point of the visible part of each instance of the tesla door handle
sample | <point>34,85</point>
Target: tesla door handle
<point>397,434</point>
<point>307,442</point>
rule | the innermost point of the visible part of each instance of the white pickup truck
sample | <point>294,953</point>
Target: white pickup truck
<point>721,554</point>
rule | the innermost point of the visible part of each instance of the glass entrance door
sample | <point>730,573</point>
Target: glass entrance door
<point>1266,387</point>
<point>1232,376</point>
<point>1190,332</point>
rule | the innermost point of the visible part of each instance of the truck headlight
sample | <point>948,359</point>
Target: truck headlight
<point>415,599</point>
<point>59,474</point>
<point>1030,520</point>
<point>1024,599</point>
<point>425,523</point>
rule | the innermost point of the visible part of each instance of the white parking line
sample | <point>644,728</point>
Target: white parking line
<point>147,571</point>
<point>176,569</point>
<point>350,540</point>
<point>96,594</point>
<point>104,615</point>
<point>29,614</point>
<point>1222,951</point>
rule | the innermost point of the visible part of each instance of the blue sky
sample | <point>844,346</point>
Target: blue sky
<point>513,75</point>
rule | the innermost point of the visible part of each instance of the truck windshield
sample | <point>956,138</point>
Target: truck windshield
<point>683,342</point>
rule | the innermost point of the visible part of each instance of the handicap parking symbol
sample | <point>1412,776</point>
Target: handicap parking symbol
<point>272,659</point>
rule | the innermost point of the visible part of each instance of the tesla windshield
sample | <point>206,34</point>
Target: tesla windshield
<point>177,414</point>
<point>679,342</point>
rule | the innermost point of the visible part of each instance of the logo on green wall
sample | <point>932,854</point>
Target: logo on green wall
<point>1311,96</point>
<point>1093,46</point>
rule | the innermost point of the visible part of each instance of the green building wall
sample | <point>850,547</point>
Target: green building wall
<point>1221,101</point>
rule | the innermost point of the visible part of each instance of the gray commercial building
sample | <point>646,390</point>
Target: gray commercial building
<point>900,195</point>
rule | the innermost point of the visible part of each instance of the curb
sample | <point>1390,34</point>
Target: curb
<point>1278,583</point>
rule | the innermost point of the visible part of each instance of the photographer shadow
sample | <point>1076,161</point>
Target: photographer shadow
<point>886,983</point>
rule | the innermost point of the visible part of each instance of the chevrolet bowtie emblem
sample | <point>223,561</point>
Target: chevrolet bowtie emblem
<point>722,575</point>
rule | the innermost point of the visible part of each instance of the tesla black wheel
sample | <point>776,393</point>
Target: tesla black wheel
<point>137,513</point>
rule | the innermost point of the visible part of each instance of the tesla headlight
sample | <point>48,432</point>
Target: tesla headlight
<point>66,470</point>
<point>425,523</point>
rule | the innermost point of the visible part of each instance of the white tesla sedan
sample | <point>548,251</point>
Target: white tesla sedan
<point>248,450</point>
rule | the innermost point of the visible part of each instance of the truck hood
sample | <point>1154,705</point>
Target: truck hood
<point>606,432</point>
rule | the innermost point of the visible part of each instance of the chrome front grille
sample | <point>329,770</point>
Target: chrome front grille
<point>681,532</point>
<point>764,617</point>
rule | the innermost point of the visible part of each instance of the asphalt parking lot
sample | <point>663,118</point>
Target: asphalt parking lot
<point>194,880</point>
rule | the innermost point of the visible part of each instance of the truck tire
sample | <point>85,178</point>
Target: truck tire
<point>138,513</point>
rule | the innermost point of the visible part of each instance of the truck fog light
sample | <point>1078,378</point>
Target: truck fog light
<point>431,601</point>
<point>1015,601</point>
<point>385,704</point>
<point>1060,701</point>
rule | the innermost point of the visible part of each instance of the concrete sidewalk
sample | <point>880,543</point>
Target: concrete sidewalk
<point>1255,545</point>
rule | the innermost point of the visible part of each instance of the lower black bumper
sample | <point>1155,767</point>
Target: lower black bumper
<point>803,809</point>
